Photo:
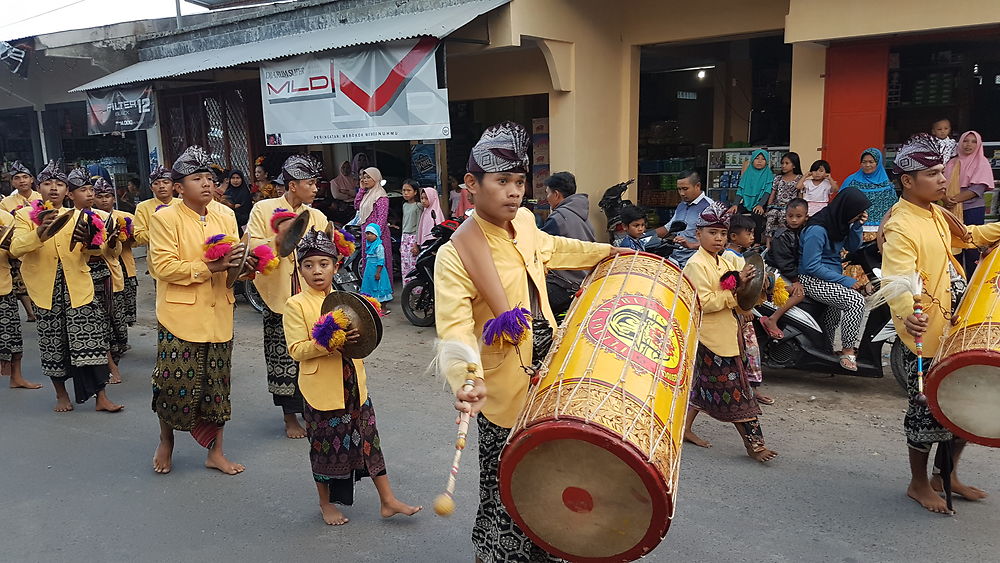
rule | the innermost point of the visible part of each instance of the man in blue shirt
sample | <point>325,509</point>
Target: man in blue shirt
<point>693,202</point>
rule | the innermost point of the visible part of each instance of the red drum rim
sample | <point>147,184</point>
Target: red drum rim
<point>940,371</point>
<point>547,429</point>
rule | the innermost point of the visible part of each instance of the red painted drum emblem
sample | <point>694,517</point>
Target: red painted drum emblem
<point>655,349</point>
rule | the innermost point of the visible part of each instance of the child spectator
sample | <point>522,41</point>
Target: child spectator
<point>375,283</point>
<point>634,220</point>
<point>784,258</point>
<point>818,188</point>
<point>409,248</point>
<point>941,130</point>
<point>339,415</point>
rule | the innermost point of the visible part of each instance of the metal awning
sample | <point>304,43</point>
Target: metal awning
<point>438,22</point>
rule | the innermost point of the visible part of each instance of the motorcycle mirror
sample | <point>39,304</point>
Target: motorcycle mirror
<point>678,226</point>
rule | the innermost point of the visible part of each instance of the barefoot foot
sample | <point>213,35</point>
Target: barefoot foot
<point>163,457</point>
<point>761,454</point>
<point>693,438</point>
<point>928,498</point>
<point>957,487</point>
<point>105,404</point>
<point>21,383</point>
<point>63,404</point>
<point>395,506</point>
<point>332,515</point>
<point>114,379</point>
<point>219,461</point>
<point>293,429</point>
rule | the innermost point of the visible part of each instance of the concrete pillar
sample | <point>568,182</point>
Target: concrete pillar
<point>808,84</point>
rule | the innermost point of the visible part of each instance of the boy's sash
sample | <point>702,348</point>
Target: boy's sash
<point>474,252</point>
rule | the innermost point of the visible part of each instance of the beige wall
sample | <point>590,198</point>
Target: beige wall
<point>498,74</point>
<point>812,20</point>
<point>808,68</point>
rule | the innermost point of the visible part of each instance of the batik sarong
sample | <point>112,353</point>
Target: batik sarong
<point>131,293</point>
<point>282,370</point>
<point>495,536</point>
<point>10,328</point>
<point>191,385</point>
<point>721,388</point>
<point>344,444</point>
<point>72,341</point>
<point>117,334</point>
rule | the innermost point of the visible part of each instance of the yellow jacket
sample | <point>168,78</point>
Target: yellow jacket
<point>111,255</point>
<point>191,302</point>
<point>14,201</point>
<point>918,239</point>
<point>321,373</point>
<point>143,211</point>
<point>127,258</point>
<point>6,281</point>
<point>461,311</point>
<point>719,327</point>
<point>39,260</point>
<point>276,287</point>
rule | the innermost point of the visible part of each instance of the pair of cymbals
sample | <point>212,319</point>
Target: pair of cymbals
<point>749,293</point>
<point>57,225</point>
<point>233,273</point>
<point>363,316</point>
<point>287,243</point>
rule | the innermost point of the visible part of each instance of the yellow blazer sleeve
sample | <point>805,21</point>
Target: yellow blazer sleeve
<point>296,326</point>
<point>899,257</point>
<point>562,253</point>
<point>713,298</point>
<point>164,261</point>
<point>141,232</point>
<point>25,236</point>
<point>453,315</point>
<point>259,227</point>
<point>985,235</point>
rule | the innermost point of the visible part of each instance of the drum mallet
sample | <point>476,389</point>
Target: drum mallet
<point>918,342</point>
<point>444,504</point>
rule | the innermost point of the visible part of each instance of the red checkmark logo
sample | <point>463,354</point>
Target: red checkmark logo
<point>386,93</point>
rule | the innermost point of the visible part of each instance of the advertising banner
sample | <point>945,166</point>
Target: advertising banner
<point>384,92</point>
<point>127,108</point>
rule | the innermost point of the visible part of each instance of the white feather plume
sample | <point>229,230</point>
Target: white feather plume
<point>891,287</point>
<point>448,353</point>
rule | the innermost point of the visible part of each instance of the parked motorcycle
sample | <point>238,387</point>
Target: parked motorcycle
<point>348,277</point>
<point>418,293</point>
<point>248,290</point>
<point>806,346</point>
<point>612,204</point>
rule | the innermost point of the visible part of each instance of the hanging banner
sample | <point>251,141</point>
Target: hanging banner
<point>385,92</point>
<point>16,56</point>
<point>127,108</point>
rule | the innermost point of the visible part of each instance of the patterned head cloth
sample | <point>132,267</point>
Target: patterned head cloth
<point>919,153</point>
<point>715,215</point>
<point>102,186</point>
<point>159,173</point>
<point>502,148</point>
<point>78,178</point>
<point>52,171</point>
<point>301,167</point>
<point>316,243</point>
<point>18,168</point>
<point>191,161</point>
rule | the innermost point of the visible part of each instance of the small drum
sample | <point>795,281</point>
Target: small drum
<point>963,385</point>
<point>590,470</point>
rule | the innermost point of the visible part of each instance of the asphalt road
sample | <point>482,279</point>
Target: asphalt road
<point>79,486</point>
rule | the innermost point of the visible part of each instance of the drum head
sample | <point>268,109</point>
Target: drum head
<point>233,274</point>
<point>583,493</point>
<point>748,295</point>
<point>362,319</point>
<point>294,233</point>
<point>963,392</point>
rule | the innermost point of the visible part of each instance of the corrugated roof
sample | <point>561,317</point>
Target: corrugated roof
<point>438,23</point>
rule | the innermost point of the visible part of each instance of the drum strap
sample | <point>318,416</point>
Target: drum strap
<point>474,252</point>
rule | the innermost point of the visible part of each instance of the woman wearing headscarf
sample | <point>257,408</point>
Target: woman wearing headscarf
<point>430,216</point>
<point>755,186</point>
<point>239,197</point>
<point>834,228</point>
<point>873,181</point>
<point>975,178</point>
<point>372,203</point>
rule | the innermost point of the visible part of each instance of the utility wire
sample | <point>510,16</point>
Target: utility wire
<point>45,13</point>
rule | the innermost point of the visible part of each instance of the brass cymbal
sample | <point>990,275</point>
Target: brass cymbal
<point>294,233</point>
<point>82,219</point>
<point>57,225</point>
<point>748,294</point>
<point>359,312</point>
<point>233,274</point>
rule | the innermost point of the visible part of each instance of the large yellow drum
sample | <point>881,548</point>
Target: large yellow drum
<point>590,471</point>
<point>963,385</point>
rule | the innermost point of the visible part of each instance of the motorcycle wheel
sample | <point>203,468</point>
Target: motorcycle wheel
<point>897,363</point>
<point>253,296</point>
<point>418,306</point>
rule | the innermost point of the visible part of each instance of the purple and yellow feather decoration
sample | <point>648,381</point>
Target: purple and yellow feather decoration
<point>330,331</point>
<point>510,327</point>
<point>217,246</point>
